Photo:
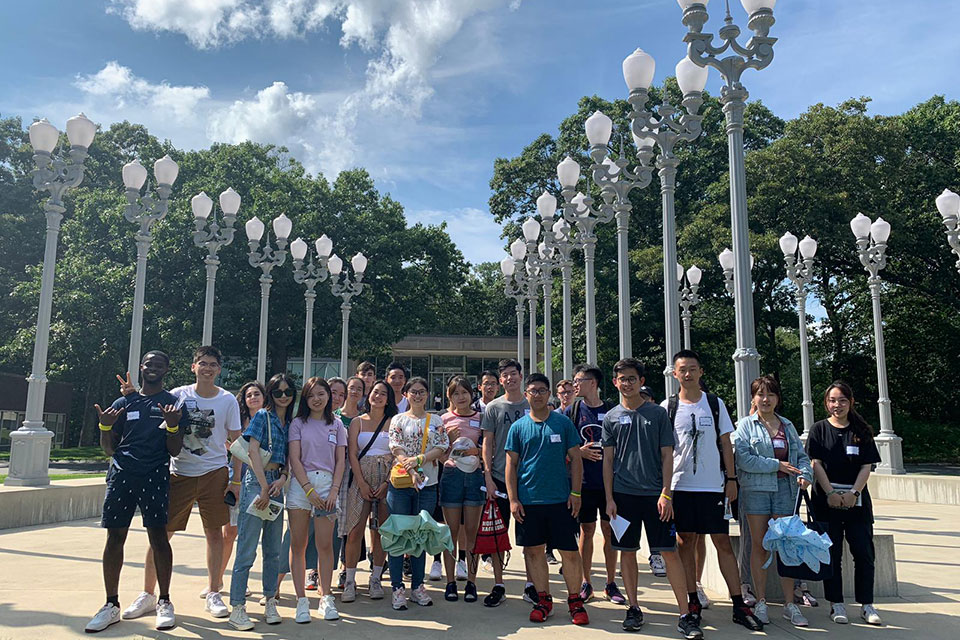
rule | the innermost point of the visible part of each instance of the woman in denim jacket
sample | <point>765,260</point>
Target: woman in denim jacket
<point>771,465</point>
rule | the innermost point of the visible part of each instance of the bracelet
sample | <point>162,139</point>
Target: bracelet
<point>575,494</point>
<point>663,495</point>
<point>734,479</point>
<point>173,431</point>
<point>239,484</point>
<point>104,427</point>
<point>309,492</point>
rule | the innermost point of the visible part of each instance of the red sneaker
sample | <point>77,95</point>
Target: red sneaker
<point>577,612</point>
<point>543,608</point>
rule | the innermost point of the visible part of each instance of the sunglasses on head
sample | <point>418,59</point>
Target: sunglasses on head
<point>279,393</point>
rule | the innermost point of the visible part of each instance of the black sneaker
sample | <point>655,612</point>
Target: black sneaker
<point>634,619</point>
<point>470,592</point>
<point>551,559</point>
<point>496,597</point>
<point>744,615</point>
<point>450,595</point>
<point>342,580</point>
<point>530,594</point>
<point>689,626</point>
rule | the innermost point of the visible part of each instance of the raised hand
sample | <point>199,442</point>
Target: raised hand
<point>126,385</point>
<point>171,416</point>
<point>109,416</point>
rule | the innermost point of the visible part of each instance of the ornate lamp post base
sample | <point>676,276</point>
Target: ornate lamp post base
<point>30,456</point>
<point>891,454</point>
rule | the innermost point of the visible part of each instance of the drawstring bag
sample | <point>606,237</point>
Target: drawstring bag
<point>492,535</point>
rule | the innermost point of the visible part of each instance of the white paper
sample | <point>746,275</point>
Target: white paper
<point>273,510</point>
<point>619,525</point>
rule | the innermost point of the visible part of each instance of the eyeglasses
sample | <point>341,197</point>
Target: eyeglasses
<point>577,381</point>
<point>206,365</point>
<point>538,392</point>
<point>416,393</point>
<point>566,392</point>
<point>628,379</point>
<point>279,393</point>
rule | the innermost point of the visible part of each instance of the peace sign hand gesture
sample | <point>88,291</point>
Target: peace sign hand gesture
<point>109,417</point>
<point>126,385</point>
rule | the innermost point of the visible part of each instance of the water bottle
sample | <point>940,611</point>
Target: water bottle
<point>727,513</point>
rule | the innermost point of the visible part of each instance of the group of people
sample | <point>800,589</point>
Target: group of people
<point>348,454</point>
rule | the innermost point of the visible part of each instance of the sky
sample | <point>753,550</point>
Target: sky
<point>426,94</point>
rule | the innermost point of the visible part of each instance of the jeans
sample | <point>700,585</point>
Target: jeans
<point>409,502</point>
<point>249,530</point>
<point>860,538</point>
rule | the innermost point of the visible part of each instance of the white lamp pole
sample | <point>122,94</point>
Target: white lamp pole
<point>728,264</point>
<point>346,289</point>
<point>689,284</point>
<point>143,210</point>
<point>309,275</point>
<point>559,244</point>
<point>872,249</point>
<point>265,260</point>
<point>800,273</point>
<point>512,288</point>
<point>948,203</point>
<point>212,236</point>
<point>55,174</point>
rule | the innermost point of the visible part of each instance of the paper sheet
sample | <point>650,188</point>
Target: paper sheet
<point>273,510</point>
<point>619,525</point>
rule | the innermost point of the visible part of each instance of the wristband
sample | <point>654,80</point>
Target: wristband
<point>731,480</point>
<point>239,484</point>
<point>104,427</point>
<point>575,494</point>
<point>663,495</point>
<point>309,492</point>
<point>174,430</point>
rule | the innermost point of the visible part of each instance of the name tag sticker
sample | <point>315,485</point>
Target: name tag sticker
<point>133,415</point>
<point>526,412</point>
<point>779,443</point>
<point>475,423</point>
<point>555,437</point>
<point>332,438</point>
<point>624,419</point>
<point>853,450</point>
<point>706,421</point>
<point>601,416</point>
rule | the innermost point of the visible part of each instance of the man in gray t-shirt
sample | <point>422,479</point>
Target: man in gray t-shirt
<point>497,418</point>
<point>637,437</point>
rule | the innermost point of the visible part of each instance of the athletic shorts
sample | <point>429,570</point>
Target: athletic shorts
<point>549,524</point>
<point>207,491</point>
<point>699,512</point>
<point>127,491</point>
<point>642,513</point>
<point>592,502</point>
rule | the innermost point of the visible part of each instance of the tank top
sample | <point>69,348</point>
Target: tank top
<point>381,445</point>
<point>781,449</point>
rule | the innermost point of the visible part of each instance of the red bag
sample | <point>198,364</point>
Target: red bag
<point>492,536</point>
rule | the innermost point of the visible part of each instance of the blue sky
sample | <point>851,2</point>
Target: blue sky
<point>427,93</point>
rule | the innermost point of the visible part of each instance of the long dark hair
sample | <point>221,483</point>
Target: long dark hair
<point>242,399</point>
<point>390,409</point>
<point>861,429</point>
<point>268,393</point>
<point>303,411</point>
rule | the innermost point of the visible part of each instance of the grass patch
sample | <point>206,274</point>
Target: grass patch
<point>63,476</point>
<point>74,453</point>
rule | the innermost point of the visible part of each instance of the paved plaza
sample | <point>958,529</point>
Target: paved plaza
<point>51,585</point>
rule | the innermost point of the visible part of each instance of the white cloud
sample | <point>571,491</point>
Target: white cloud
<point>118,84</point>
<point>472,230</point>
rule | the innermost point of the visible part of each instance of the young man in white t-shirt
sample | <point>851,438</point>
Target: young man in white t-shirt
<point>704,481</point>
<point>199,475</point>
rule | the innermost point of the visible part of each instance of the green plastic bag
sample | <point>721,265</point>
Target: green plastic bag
<point>414,535</point>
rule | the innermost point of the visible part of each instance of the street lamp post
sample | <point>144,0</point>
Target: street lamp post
<point>212,236</point>
<point>557,237</point>
<point>309,275</point>
<point>542,258</point>
<point>728,264</point>
<point>948,203</point>
<point>266,259</point>
<point>872,249</point>
<point>143,210</point>
<point>55,174</point>
<point>800,273</point>
<point>345,288</point>
<point>512,288</point>
<point>757,54</point>
<point>528,273</point>
<point>689,284</point>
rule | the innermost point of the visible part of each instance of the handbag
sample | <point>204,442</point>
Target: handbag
<point>240,448</point>
<point>400,478</point>
<point>802,571</point>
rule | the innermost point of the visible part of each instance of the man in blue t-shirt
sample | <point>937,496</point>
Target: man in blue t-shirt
<point>544,499</point>
<point>140,432</point>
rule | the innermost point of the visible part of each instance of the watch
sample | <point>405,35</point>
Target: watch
<point>856,493</point>
<point>734,479</point>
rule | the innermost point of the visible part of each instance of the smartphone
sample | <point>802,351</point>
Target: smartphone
<point>230,499</point>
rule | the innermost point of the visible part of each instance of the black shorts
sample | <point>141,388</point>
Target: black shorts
<point>642,513</point>
<point>699,512</point>
<point>549,524</point>
<point>592,502</point>
<point>126,491</point>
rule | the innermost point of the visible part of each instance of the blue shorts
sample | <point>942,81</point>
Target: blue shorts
<point>126,491</point>
<point>771,503</point>
<point>459,489</point>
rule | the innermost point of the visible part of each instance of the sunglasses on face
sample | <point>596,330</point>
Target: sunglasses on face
<point>279,393</point>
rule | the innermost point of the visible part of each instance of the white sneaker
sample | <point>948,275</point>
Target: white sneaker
<point>419,595</point>
<point>328,608</point>
<point>165,617</point>
<point>204,593</point>
<point>760,611</point>
<point>656,565</point>
<point>239,619</point>
<point>702,597</point>
<point>270,613</point>
<point>461,570</point>
<point>144,604</point>
<point>215,605</point>
<point>747,594</point>
<point>109,614</point>
<point>792,613</point>
<point>487,565</point>
<point>400,599</point>
<point>838,613</point>
<point>303,611</point>
<point>436,571</point>
<point>349,593</point>
<point>375,589</point>
<point>870,615</point>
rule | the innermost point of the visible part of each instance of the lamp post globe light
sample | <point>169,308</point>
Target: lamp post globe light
<point>266,259</point>
<point>948,204</point>
<point>143,210</point>
<point>542,258</point>
<point>309,274</point>
<point>689,284</point>
<point>211,236</point>
<point>665,129</point>
<point>798,256</point>
<point>557,236</point>
<point>346,288</point>
<point>756,54</point>
<point>56,174</point>
<point>511,287</point>
<point>872,250</point>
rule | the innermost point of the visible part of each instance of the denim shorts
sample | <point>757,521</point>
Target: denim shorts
<point>297,499</point>
<point>770,503</point>
<point>459,489</point>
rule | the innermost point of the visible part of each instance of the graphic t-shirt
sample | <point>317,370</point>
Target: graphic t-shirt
<point>406,432</point>
<point>143,441</point>
<point>842,454</point>
<point>696,458</point>
<point>542,447</point>
<point>636,437</point>
<point>590,426</point>
<point>467,427</point>
<point>318,442</point>
<point>205,435</point>
<point>499,415</point>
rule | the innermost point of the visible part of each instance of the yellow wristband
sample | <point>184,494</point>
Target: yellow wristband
<point>236,483</point>
<point>104,427</point>
<point>663,495</point>
<point>173,431</point>
<point>575,494</point>
<point>309,491</point>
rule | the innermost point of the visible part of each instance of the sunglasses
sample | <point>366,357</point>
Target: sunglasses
<point>279,393</point>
